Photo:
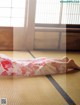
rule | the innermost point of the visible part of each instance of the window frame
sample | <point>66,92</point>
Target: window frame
<point>58,25</point>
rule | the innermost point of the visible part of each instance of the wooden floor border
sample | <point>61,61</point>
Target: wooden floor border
<point>58,87</point>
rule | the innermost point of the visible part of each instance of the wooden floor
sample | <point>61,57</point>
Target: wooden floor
<point>39,90</point>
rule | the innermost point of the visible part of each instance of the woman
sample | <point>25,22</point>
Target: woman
<point>39,66</point>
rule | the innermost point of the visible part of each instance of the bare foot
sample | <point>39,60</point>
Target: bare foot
<point>73,65</point>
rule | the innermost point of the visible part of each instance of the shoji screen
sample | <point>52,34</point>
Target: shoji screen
<point>56,12</point>
<point>47,11</point>
<point>71,13</point>
<point>12,13</point>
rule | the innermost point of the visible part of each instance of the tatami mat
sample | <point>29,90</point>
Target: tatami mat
<point>48,54</point>
<point>72,86</point>
<point>17,54</point>
<point>68,82</point>
<point>28,90</point>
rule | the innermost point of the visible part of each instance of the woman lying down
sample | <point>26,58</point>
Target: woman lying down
<point>34,67</point>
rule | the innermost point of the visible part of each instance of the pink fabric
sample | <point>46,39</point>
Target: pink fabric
<point>40,66</point>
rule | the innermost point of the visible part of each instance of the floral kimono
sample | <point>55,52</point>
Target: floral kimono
<point>33,67</point>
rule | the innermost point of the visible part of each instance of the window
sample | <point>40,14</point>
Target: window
<point>47,11</point>
<point>56,12</point>
<point>71,13</point>
<point>12,13</point>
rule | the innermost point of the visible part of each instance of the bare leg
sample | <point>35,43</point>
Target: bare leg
<point>64,59</point>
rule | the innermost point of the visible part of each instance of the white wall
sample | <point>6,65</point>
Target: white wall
<point>50,40</point>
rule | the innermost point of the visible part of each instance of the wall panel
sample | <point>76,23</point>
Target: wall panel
<point>73,41</point>
<point>63,41</point>
<point>6,38</point>
<point>46,40</point>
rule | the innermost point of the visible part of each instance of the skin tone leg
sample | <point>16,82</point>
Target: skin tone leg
<point>69,63</point>
<point>64,59</point>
